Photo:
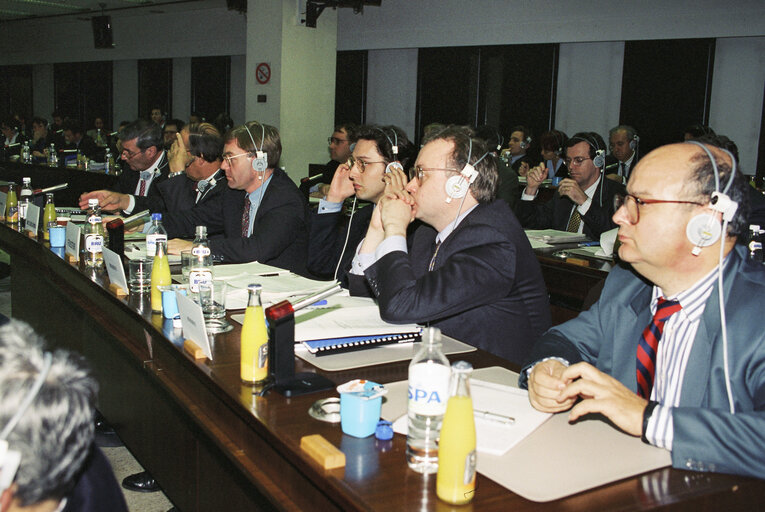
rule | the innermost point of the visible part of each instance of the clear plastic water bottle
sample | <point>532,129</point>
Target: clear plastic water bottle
<point>26,153</point>
<point>108,162</point>
<point>155,234</point>
<point>201,270</point>
<point>52,156</point>
<point>25,196</point>
<point>429,374</point>
<point>94,236</point>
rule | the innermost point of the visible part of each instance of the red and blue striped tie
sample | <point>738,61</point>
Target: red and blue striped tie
<point>649,344</point>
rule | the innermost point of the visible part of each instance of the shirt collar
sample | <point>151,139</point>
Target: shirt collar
<point>453,225</point>
<point>590,191</point>
<point>692,299</point>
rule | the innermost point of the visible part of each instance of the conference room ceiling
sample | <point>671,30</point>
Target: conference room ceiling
<point>11,10</point>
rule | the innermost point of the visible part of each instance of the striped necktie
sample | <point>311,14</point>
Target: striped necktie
<point>246,218</point>
<point>649,344</point>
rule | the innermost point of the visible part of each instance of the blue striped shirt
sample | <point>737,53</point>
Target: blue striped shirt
<point>673,353</point>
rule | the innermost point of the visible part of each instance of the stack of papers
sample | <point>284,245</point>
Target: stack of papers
<point>553,236</point>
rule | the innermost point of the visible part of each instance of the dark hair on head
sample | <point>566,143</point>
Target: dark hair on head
<point>720,141</point>
<point>179,124</point>
<point>40,120</point>
<point>699,130</point>
<point>430,130</point>
<point>553,140</point>
<point>526,131</point>
<point>223,122</point>
<point>623,127</point>
<point>147,134</point>
<point>469,149</point>
<point>57,113</point>
<point>702,184</point>
<point>384,137</point>
<point>198,114</point>
<point>73,125</point>
<point>11,122</point>
<point>494,140</point>
<point>351,130</point>
<point>594,140</point>
<point>205,141</point>
<point>271,142</point>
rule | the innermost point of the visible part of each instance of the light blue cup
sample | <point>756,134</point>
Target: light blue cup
<point>170,300</point>
<point>360,405</point>
<point>556,181</point>
<point>57,236</point>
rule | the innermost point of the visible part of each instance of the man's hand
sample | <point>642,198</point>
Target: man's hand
<point>395,181</point>
<point>375,233</point>
<point>107,200</point>
<point>341,187</point>
<point>545,385</point>
<point>176,245</point>
<point>534,178</point>
<point>572,190</point>
<point>602,394</point>
<point>178,158</point>
<point>396,214</point>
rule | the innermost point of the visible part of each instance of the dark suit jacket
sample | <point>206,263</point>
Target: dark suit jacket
<point>517,164</point>
<point>179,193</point>
<point>612,165</point>
<point>706,436</point>
<point>326,240</point>
<point>556,212</point>
<point>507,188</point>
<point>96,489</point>
<point>86,146</point>
<point>486,288</point>
<point>128,181</point>
<point>279,234</point>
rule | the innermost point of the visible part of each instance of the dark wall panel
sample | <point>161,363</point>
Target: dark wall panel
<point>155,86</point>
<point>83,91</point>
<point>351,87</point>
<point>211,86</point>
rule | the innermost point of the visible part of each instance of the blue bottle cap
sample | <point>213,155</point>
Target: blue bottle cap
<point>384,430</point>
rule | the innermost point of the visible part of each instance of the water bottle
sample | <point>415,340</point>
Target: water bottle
<point>26,153</point>
<point>108,162</point>
<point>52,156</point>
<point>201,270</point>
<point>455,482</point>
<point>25,196</point>
<point>94,236</point>
<point>755,243</point>
<point>429,374</point>
<point>155,233</point>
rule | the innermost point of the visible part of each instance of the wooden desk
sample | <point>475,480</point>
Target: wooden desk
<point>44,176</point>
<point>212,445</point>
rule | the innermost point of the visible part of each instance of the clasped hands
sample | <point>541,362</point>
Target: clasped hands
<point>553,387</point>
<point>567,187</point>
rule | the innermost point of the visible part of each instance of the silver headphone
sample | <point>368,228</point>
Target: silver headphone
<point>260,162</point>
<point>458,186</point>
<point>395,164</point>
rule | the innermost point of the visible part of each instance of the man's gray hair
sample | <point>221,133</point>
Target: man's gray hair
<point>55,434</point>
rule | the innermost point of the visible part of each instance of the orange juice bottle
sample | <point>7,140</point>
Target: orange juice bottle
<point>455,482</point>
<point>160,276</point>
<point>254,340</point>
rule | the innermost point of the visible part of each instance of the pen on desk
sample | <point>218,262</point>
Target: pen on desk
<point>589,244</point>
<point>274,274</point>
<point>492,416</point>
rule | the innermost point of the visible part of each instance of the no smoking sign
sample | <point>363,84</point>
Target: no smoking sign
<point>263,73</point>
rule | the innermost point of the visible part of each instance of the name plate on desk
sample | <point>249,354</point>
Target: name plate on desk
<point>33,219</point>
<point>73,240</point>
<point>3,203</point>
<point>193,321</point>
<point>115,269</point>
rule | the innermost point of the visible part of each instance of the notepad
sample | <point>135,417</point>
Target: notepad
<point>339,345</point>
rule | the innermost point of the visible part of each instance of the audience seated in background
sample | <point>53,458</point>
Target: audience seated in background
<point>551,144</point>
<point>469,269</point>
<point>624,143</point>
<point>333,237</point>
<point>518,145</point>
<point>77,140</point>
<point>172,128</point>
<point>507,188</point>
<point>583,203</point>
<point>47,406</point>
<point>99,133</point>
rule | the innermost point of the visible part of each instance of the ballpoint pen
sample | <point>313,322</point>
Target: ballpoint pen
<point>494,417</point>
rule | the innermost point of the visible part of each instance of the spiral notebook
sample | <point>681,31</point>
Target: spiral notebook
<point>329,346</point>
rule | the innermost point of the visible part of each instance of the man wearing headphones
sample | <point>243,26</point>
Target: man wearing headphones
<point>518,145</point>
<point>623,141</point>
<point>261,215</point>
<point>583,203</point>
<point>469,270</point>
<point>333,238</point>
<point>675,354</point>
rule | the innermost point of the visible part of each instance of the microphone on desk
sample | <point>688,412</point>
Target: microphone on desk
<point>54,188</point>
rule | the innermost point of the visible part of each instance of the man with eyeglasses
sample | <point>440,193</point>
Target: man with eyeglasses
<point>333,237</point>
<point>172,128</point>
<point>584,202</point>
<point>142,151</point>
<point>261,215</point>
<point>468,269</point>
<point>673,351</point>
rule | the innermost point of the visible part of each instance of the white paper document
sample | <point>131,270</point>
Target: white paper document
<point>275,287</point>
<point>553,236</point>
<point>492,437</point>
<point>136,250</point>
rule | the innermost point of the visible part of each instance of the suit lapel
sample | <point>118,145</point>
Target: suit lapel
<point>636,317</point>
